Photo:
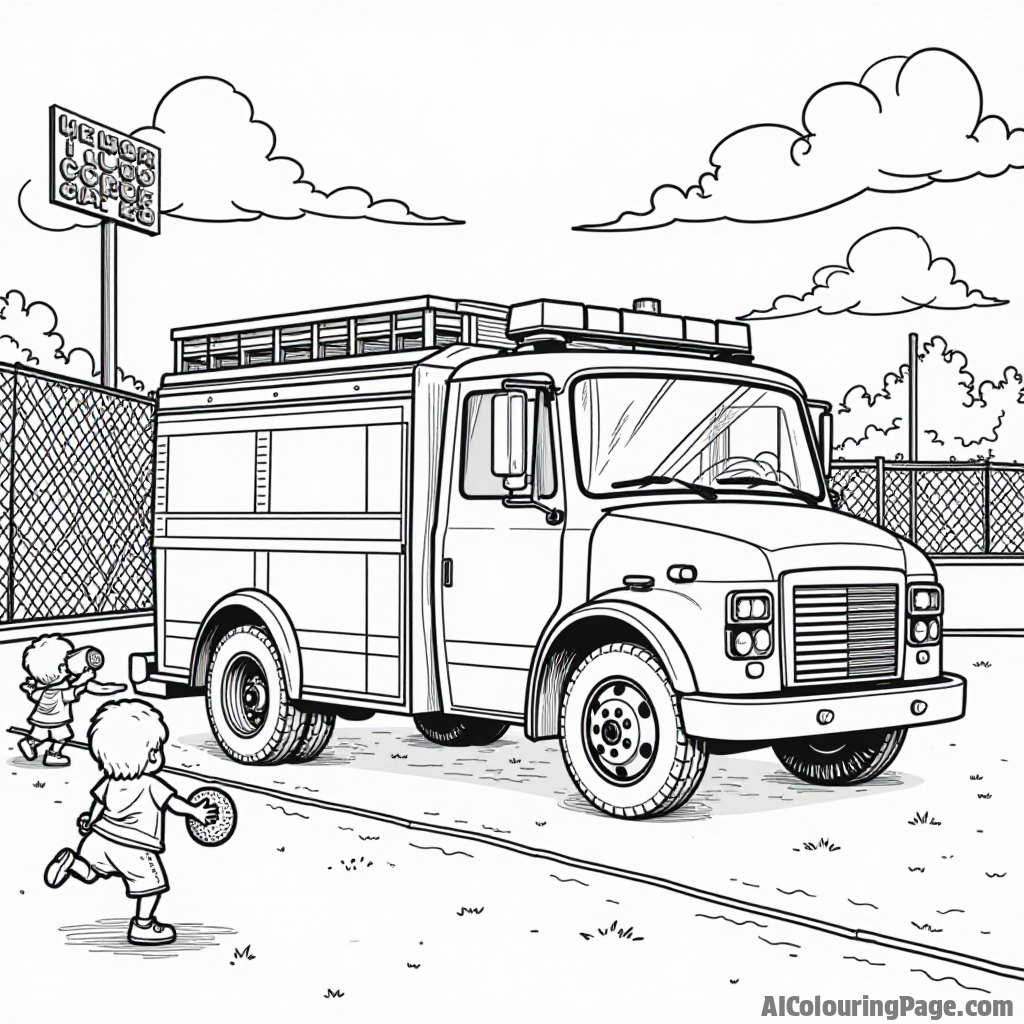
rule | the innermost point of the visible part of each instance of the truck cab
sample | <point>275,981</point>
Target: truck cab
<point>611,527</point>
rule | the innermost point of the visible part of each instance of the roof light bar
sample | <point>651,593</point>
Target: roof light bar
<point>544,319</point>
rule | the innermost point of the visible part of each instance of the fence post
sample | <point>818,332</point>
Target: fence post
<point>911,504</point>
<point>987,505</point>
<point>9,539</point>
<point>880,491</point>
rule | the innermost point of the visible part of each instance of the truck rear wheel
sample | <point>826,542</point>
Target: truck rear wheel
<point>622,736</point>
<point>247,699</point>
<point>314,738</point>
<point>842,759</point>
<point>458,730</point>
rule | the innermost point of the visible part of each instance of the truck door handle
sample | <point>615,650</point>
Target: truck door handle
<point>446,572</point>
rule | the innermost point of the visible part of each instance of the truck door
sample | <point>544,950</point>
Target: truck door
<point>500,564</point>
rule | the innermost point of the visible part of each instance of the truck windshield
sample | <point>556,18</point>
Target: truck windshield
<point>699,430</point>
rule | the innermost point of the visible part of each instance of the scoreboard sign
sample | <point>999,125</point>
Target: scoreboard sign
<point>98,171</point>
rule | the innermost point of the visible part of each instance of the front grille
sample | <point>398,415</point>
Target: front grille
<point>844,632</point>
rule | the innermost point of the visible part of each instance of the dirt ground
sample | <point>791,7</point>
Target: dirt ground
<point>308,902</point>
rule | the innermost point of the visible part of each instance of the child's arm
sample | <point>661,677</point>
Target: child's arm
<point>86,821</point>
<point>80,683</point>
<point>204,812</point>
<point>33,690</point>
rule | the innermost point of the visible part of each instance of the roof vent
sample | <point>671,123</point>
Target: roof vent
<point>647,305</point>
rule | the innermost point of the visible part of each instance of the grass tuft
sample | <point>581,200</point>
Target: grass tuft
<point>923,819</point>
<point>822,844</point>
<point>615,932</point>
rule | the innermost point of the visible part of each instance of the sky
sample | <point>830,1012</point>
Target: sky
<point>523,120</point>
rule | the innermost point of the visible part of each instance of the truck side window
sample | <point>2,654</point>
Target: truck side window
<point>477,479</point>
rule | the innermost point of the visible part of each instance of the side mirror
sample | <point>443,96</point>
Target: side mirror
<point>825,443</point>
<point>508,438</point>
<point>822,423</point>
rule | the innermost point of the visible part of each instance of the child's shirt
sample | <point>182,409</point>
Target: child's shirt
<point>133,810</point>
<point>53,708</point>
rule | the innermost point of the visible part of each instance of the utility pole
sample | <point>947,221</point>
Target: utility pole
<point>912,398</point>
<point>108,304</point>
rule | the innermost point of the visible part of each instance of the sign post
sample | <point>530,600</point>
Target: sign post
<point>108,304</point>
<point>109,175</point>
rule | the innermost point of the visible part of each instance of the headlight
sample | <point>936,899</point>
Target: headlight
<point>924,613</point>
<point>748,624</point>
<point>924,598</point>
<point>749,607</point>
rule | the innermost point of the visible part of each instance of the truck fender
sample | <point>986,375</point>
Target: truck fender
<point>248,607</point>
<point>590,626</point>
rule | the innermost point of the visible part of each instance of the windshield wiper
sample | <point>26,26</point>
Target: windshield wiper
<point>759,481</point>
<point>708,493</point>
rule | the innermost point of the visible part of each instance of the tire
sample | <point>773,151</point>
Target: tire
<point>247,699</point>
<point>841,759</point>
<point>458,730</point>
<point>640,763</point>
<point>314,738</point>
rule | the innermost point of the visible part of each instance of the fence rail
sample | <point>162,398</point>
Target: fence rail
<point>76,464</point>
<point>946,508</point>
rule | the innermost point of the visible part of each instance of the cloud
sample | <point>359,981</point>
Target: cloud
<point>908,123</point>
<point>887,271</point>
<point>219,166</point>
<point>29,335</point>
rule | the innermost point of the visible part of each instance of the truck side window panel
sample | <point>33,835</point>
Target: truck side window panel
<point>211,472</point>
<point>477,428</point>
<point>336,469</point>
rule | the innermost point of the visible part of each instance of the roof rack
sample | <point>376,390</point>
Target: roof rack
<point>545,322</point>
<point>399,325</point>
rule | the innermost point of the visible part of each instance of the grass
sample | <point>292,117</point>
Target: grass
<point>922,819</point>
<point>821,844</point>
<point>615,932</point>
<point>983,664</point>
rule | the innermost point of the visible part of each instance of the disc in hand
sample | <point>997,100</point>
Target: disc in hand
<point>220,830</point>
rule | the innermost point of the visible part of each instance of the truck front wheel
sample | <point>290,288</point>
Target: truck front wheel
<point>622,735</point>
<point>247,699</point>
<point>458,730</point>
<point>842,759</point>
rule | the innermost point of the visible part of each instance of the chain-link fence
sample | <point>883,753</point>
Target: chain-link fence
<point>76,466</point>
<point>946,508</point>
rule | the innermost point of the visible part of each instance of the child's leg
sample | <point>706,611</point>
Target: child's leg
<point>147,907</point>
<point>66,863</point>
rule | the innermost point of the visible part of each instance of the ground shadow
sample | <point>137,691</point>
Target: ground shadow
<point>110,935</point>
<point>732,785</point>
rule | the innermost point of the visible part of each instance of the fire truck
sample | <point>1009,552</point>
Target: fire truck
<point>606,526</point>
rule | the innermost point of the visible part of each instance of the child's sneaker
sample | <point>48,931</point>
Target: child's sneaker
<point>52,760</point>
<point>57,871</point>
<point>27,748</point>
<point>152,934</point>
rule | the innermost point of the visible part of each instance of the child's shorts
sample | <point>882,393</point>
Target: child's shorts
<point>57,732</point>
<point>142,870</point>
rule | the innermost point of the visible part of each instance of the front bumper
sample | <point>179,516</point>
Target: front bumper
<point>791,714</point>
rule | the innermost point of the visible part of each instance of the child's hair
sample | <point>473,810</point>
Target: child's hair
<point>45,659</point>
<point>122,734</point>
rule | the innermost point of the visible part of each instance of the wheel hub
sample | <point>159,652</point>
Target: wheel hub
<point>620,731</point>
<point>246,696</point>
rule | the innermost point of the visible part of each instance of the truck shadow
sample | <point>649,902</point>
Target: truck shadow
<point>732,785</point>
